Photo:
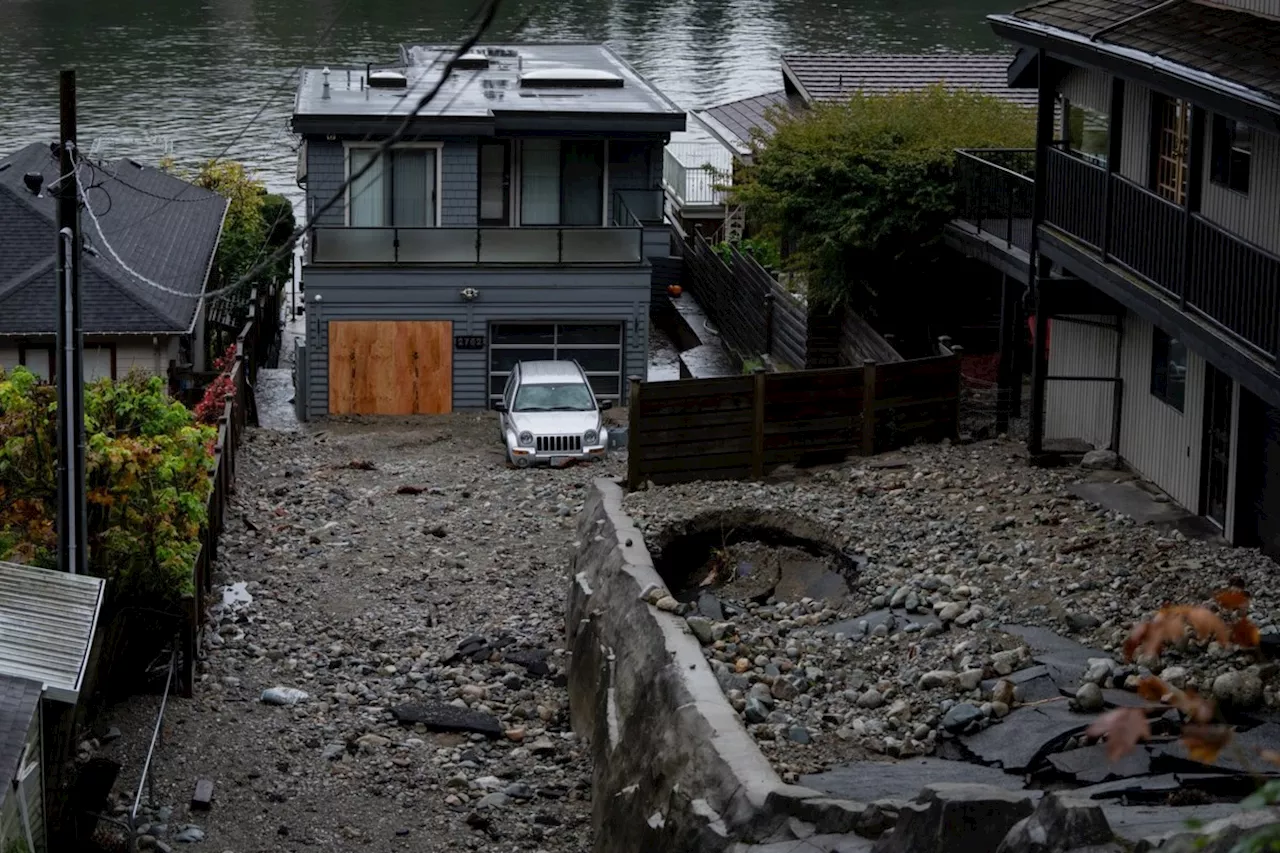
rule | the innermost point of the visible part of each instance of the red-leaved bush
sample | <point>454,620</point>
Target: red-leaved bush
<point>210,407</point>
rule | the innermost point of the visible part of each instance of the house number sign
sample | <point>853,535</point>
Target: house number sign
<point>468,342</point>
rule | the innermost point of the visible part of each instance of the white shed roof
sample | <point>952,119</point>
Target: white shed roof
<point>47,622</point>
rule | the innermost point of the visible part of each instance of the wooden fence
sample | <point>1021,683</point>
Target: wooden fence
<point>757,316</point>
<point>238,410</point>
<point>741,427</point>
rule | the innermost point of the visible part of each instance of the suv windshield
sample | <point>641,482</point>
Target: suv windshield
<point>561,397</point>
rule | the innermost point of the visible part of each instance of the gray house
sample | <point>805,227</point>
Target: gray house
<point>161,227</point>
<point>515,222</point>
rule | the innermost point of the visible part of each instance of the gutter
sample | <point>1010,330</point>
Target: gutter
<point>1016,29</point>
<point>208,270</point>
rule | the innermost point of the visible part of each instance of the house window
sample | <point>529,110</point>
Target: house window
<point>562,182</point>
<point>399,189</point>
<point>1232,151</point>
<point>1087,133</point>
<point>1169,369</point>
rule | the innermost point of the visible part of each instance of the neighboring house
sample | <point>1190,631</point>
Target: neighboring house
<point>1152,240</point>
<point>515,222</point>
<point>49,621</point>
<point>808,79</point>
<point>161,226</point>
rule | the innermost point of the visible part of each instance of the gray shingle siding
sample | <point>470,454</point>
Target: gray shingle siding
<point>559,295</point>
<point>459,182</point>
<point>326,170</point>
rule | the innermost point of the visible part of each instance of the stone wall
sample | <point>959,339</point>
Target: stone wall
<point>674,768</point>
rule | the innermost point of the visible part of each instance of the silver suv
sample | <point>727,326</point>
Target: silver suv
<point>550,415</point>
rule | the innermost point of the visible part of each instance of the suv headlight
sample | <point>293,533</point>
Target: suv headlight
<point>590,437</point>
<point>525,438</point>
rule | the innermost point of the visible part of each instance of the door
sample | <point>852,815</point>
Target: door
<point>495,183</point>
<point>1172,126</point>
<point>390,367</point>
<point>1217,444</point>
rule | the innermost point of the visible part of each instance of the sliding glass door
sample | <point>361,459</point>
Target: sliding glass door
<point>562,182</point>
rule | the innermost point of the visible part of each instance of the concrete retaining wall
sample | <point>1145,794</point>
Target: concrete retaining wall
<point>674,768</point>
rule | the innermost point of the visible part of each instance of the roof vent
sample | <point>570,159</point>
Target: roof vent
<point>471,61</point>
<point>571,78</point>
<point>387,80</point>
<point>33,180</point>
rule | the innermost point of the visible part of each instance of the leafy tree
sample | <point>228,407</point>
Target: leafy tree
<point>147,466</point>
<point>859,191</point>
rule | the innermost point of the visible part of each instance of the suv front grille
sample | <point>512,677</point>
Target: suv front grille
<point>559,444</point>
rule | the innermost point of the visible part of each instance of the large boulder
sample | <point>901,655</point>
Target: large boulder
<point>1060,823</point>
<point>951,817</point>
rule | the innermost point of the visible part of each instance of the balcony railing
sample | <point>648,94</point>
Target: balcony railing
<point>691,172</point>
<point>996,193</point>
<point>635,208</point>
<point>1228,281</point>
<point>530,245</point>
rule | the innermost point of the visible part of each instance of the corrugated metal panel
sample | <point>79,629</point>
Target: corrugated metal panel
<point>564,295</point>
<point>1255,216</point>
<point>1135,145</point>
<point>47,620</point>
<point>1160,442</point>
<point>1087,87</point>
<point>1081,409</point>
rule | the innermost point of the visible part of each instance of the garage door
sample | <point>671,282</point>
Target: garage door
<point>595,346</point>
<point>390,368</point>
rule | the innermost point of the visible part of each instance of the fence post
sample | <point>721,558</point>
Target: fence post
<point>868,408</point>
<point>633,433</point>
<point>1008,227</point>
<point>757,425</point>
<point>958,352</point>
<point>769,300</point>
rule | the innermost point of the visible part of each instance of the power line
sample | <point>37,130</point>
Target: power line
<point>485,17</point>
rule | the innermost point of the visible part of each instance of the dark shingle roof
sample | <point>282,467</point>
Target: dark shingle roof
<point>829,77</point>
<point>169,242</point>
<point>19,701</point>
<point>826,77</point>
<point>1235,46</point>
<point>737,119</point>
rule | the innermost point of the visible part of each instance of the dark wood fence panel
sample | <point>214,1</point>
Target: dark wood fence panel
<point>742,427</point>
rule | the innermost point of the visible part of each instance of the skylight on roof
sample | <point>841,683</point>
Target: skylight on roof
<point>472,60</point>
<point>577,78</point>
<point>387,80</point>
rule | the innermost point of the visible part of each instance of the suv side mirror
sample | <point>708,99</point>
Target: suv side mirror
<point>499,406</point>
<point>605,404</point>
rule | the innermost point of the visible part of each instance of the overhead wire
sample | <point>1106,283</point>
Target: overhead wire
<point>483,20</point>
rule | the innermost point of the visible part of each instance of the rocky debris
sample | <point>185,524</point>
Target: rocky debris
<point>868,781</point>
<point>1238,691</point>
<point>354,599</point>
<point>1060,823</point>
<point>444,717</point>
<point>1100,459</point>
<point>950,817</point>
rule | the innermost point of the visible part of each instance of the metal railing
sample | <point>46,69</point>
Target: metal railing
<point>528,245</point>
<point>1223,278</point>
<point>695,182</point>
<point>996,190</point>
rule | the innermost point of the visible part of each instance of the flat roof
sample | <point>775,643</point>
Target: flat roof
<point>47,622</point>
<point>490,99</point>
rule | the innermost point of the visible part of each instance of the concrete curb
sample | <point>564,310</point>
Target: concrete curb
<point>675,770</point>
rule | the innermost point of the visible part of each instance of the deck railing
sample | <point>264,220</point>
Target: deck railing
<point>1194,262</point>
<point>996,192</point>
<point>694,181</point>
<point>532,245</point>
<point>644,206</point>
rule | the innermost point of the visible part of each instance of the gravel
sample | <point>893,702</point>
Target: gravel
<point>954,542</point>
<point>362,597</point>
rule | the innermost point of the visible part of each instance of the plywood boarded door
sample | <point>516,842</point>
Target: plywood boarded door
<point>390,367</point>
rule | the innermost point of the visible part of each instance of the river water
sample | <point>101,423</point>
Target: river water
<point>190,77</point>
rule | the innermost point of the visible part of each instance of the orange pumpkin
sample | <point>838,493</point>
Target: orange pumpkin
<point>675,290</point>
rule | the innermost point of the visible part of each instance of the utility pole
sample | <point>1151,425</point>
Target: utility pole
<point>73,537</point>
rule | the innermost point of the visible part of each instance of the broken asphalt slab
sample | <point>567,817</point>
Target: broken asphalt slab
<point>1090,764</point>
<point>1026,735</point>
<point>442,717</point>
<point>1066,660</point>
<point>867,781</point>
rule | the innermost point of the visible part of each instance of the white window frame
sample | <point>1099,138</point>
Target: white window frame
<point>517,183</point>
<point>437,146</point>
